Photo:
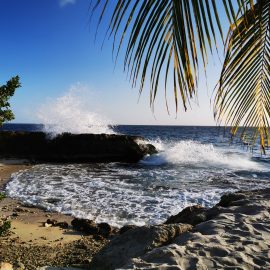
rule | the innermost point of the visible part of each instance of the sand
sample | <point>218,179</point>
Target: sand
<point>32,244</point>
<point>237,238</point>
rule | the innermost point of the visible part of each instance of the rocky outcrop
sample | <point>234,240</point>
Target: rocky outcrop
<point>236,237</point>
<point>37,147</point>
<point>194,215</point>
<point>135,242</point>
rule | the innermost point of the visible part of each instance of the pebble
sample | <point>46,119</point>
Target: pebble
<point>6,266</point>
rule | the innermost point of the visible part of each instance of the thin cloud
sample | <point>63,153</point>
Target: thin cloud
<point>64,3</point>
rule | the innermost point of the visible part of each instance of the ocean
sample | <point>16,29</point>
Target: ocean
<point>195,165</point>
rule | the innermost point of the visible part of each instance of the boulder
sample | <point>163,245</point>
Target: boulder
<point>85,225</point>
<point>135,242</point>
<point>127,228</point>
<point>230,198</point>
<point>90,227</point>
<point>190,215</point>
<point>37,147</point>
<point>105,229</point>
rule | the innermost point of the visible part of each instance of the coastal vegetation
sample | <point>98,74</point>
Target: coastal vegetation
<point>2,196</point>
<point>167,40</point>
<point>6,92</point>
<point>4,227</point>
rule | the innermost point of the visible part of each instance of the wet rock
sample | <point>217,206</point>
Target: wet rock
<point>190,215</point>
<point>36,146</point>
<point>105,229</point>
<point>230,198</point>
<point>134,243</point>
<point>127,228</point>
<point>85,225</point>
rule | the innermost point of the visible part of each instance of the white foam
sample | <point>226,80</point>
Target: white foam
<point>73,189</point>
<point>71,113</point>
<point>194,153</point>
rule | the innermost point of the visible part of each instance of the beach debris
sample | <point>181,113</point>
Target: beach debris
<point>6,266</point>
<point>52,222</point>
<point>55,223</point>
<point>134,243</point>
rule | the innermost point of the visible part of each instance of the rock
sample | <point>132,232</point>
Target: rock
<point>127,228</point>
<point>67,147</point>
<point>105,229</point>
<point>230,198</point>
<point>63,224</point>
<point>135,242</point>
<point>85,225</point>
<point>190,215</point>
<point>53,222</point>
<point>6,266</point>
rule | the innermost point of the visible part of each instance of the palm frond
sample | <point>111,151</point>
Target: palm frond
<point>243,96</point>
<point>165,40</point>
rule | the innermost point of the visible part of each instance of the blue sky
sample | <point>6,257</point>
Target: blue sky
<point>50,45</point>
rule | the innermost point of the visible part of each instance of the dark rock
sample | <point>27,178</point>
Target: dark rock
<point>52,222</point>
<point>127,228</point>
<point>63,224</point>
<point>85,225</point>
<point>67,147</point>
<point>105,229</point>
<point>190,215</point>
<point>230,198</point>
<point>134,243</point>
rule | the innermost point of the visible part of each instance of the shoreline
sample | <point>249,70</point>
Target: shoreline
<point>234,233</point>
<point>29,242</point>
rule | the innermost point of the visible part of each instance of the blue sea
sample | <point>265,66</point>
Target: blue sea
<point>195,165</point>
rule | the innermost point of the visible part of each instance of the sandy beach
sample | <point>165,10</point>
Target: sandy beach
<point>30,244</point>
<point>235,234</point>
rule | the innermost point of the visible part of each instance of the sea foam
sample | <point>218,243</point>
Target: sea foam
<point>72,113</point>
<point>192,153</point>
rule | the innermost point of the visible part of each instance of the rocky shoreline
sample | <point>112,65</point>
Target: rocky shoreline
<point>235,234</point>
<point>67,148</point>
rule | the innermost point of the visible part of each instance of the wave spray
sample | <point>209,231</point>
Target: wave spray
<point>70,113</point>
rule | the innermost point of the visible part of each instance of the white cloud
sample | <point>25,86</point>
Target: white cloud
<point>64,3</point>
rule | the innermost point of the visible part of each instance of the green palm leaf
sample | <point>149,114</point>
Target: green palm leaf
<point>165,40</point>
<point>243,96</point>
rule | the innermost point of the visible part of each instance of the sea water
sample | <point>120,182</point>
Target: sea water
<point>195,165</point>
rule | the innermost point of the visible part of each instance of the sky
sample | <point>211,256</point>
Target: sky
<point>50,44</point>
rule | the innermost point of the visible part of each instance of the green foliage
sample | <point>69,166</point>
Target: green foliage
<point>5,227</point>
<point>243,96</point>
<point>6,92</point>
<point>2,196</point>
<point>167,39</point>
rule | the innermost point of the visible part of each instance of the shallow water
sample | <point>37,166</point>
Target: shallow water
<point>194,165</point>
